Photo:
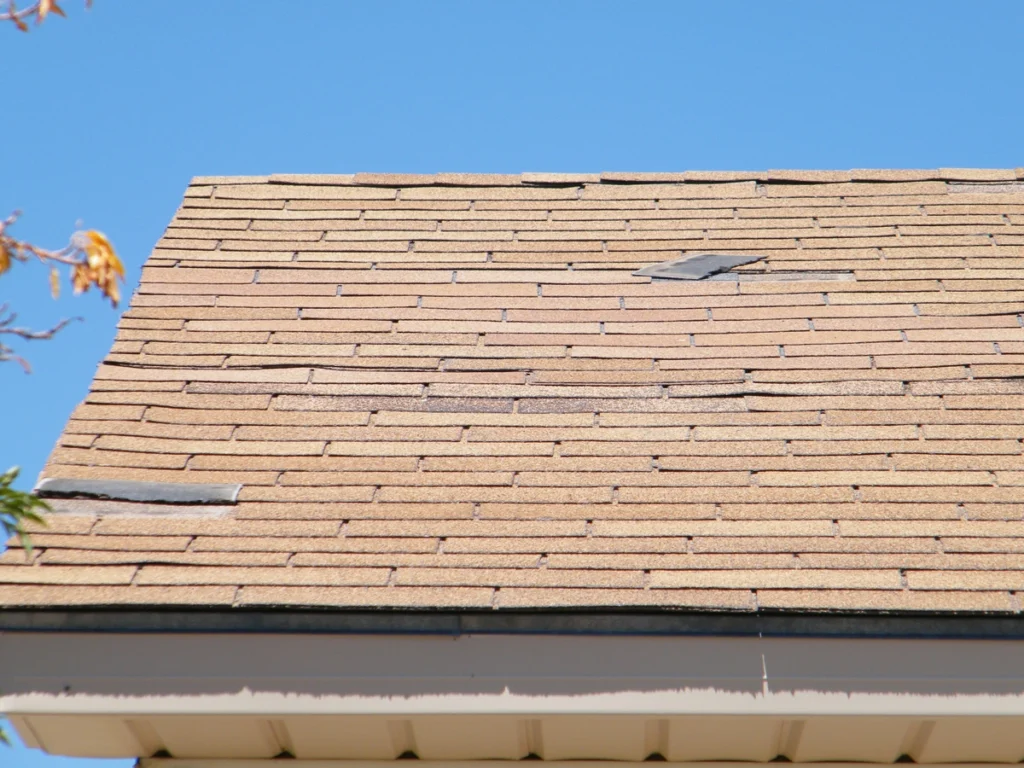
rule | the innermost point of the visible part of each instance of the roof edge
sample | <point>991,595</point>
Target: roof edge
<point>793,176</point>
<point>125,619</point>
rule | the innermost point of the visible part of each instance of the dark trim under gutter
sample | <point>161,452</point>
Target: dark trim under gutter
<point>581,622</point>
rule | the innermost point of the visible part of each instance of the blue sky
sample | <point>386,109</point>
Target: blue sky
<point>114,109</point>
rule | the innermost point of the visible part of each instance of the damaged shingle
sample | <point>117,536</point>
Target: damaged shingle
<point>128,490</point>
<point>695,267</point>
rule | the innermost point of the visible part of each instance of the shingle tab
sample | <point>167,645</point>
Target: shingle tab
<point>465,391</point>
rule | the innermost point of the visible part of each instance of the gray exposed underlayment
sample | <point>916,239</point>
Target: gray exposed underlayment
<point>126,490</point>
<point>989,187</point>
<point>695,266</point>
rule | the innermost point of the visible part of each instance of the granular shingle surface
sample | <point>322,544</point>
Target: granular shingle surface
<point>451,391</point>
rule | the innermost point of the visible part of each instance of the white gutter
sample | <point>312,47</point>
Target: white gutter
<point>871,699</point>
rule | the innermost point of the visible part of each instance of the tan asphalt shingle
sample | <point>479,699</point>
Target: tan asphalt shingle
<point>450,391</point>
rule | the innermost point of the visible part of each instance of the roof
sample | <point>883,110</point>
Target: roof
<point>452,392</point>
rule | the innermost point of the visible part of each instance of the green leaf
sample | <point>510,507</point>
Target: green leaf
<point>18,508</point>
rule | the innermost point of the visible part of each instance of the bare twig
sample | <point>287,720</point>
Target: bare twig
<point>7,318</point>
<point>21,250</point>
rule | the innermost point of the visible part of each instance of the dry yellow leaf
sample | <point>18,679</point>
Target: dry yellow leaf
<point>54,282</point>
<point>46,7</point>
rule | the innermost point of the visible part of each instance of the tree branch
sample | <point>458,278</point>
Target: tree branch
<point>40,9</point>
<point>6,327</point>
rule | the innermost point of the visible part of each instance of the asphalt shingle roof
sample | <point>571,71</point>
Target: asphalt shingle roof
<point>451,391</point>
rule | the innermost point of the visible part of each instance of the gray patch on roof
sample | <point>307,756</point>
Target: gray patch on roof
<point>128,490</point>
<point>695,266</point>
<point>991,187</point>
<point>782,277</point>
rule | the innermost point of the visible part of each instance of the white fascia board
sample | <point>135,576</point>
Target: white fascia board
<point>287,675</point>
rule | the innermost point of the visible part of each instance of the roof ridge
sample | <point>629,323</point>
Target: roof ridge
<point>783,176</point>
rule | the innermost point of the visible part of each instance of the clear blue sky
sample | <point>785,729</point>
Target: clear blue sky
<point>111,111</point>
